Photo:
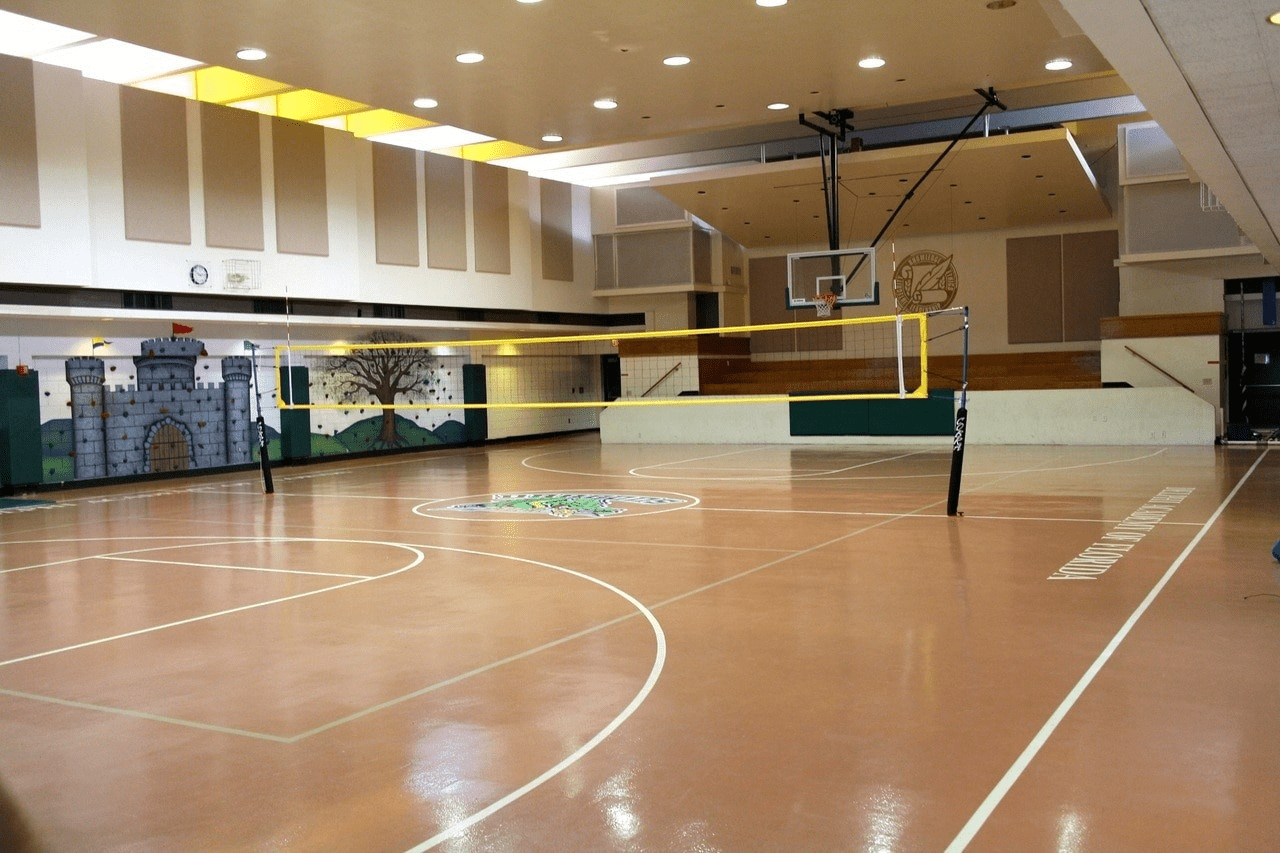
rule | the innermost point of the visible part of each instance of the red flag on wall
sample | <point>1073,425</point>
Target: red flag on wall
<point>179,329</point>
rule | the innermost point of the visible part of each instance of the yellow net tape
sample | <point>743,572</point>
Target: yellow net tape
<point>290,355</point>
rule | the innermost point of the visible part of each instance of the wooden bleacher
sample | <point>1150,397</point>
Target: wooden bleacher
<point>988,372</point>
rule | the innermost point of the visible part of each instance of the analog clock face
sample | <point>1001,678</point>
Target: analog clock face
<point>925,281</point>
<point>199,275</point>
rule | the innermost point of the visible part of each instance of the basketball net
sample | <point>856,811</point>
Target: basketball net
<point>823,303</point>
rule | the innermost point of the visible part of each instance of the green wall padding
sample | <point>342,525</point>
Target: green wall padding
<point>295,424</point>
<point>474,390</point>
<point>932,416</point>
<point>20,457</point>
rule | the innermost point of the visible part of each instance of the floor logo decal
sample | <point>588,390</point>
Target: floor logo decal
<point>564,504</point>
<point>556,505</point>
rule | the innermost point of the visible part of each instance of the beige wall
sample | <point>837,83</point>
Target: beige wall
<point>80,240</point>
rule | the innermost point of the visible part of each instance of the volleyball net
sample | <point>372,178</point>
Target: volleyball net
<point>848,358</point>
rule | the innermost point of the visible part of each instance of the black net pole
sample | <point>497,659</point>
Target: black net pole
<point>962,423</point>
<point>264,458</point>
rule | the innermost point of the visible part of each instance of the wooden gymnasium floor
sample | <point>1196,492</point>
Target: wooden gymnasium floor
<point>772,648</point>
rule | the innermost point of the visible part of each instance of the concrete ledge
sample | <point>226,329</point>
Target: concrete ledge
<point>1091,416</point>
<point>1087,416</point>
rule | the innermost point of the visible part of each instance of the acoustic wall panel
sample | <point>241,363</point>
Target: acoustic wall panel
<point>395,205</point>
<point>19,172</point>
<point>302,202</point>
<point>232,177</point>
<point>768,285</point>
<point>557,230</point>
<point>153,146</point>
<point>1034,282</point>
<point>768,278</point>
<point>491,218</point>
<point>446,212</point>
<point>1090,283</point>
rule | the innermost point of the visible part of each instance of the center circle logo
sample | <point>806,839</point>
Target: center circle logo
<point>554,505</point>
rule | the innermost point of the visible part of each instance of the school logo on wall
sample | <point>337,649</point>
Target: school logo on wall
<point>925,281</point>
<point>559,505</point>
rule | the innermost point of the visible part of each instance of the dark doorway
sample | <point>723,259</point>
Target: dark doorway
<point>611,376</point>
<point>706,310</point>
<point>1253,381</point>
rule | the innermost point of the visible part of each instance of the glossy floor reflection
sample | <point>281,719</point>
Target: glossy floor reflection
<point>559,645</point>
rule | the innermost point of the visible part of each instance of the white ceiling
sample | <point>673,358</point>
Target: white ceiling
<point>546,63</point>
<point>1209,72</point>
<point>1206,71</point>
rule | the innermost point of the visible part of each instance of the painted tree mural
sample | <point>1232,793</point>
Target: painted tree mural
<point>387,375</point>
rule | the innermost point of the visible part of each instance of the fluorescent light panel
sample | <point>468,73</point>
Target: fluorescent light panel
<point>23,36</point>
<point>117,61</point>
<point>432,138</point>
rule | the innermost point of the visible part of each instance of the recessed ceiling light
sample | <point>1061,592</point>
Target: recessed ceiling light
<point>770,3</point>
<point>676,60</point>
<point>471,57</point>
<point>1274,18</point>
<point>547,137</point>
<point>779,106</point>
<point>528,1</point>
<point>251,54</point>
<point>605,104</point>
<point>871,62</point>
<point>1057,65</point>
<point>996,5</point>
<point>426,103</point>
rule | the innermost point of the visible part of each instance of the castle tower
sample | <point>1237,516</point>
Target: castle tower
<point>168,360</point>
<point>88,425</point>
<point>236,373</point>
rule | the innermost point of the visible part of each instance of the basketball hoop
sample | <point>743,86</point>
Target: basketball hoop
<point>823,303</point>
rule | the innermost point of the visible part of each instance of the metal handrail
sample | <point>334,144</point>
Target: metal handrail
<point>1159,368</point>
<point>663,378</point>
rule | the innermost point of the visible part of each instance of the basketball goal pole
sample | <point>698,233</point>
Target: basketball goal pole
<point>840,119</point>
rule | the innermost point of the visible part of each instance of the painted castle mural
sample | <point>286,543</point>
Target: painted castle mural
<point>167,421</point>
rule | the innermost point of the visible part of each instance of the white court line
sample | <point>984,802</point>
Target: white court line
<point>930,515</point>
<point>979,817</point>
<point>211,540</point>
<point>690,459</point>
<point>142,715</point>
<point>419,558</point>
<point>829,474</point>
<point>526,462</point>
<point>237,568</point>
<point>659,660</point>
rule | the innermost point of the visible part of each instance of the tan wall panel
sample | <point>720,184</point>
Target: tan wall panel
<point>557,231</point>
<point>232,177</point>
<point>768,296</point>
<point>302,199</point>
<point>446,212</point>
<point>1034,280</point>
<point>153,145</point>
<point>491,212</point>
<point>395,205</point>
<point>768,278</point>
<point>1090,282</point>
<point>19,173</point>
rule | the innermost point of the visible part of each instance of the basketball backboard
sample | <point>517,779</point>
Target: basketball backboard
<point>848,274</point>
